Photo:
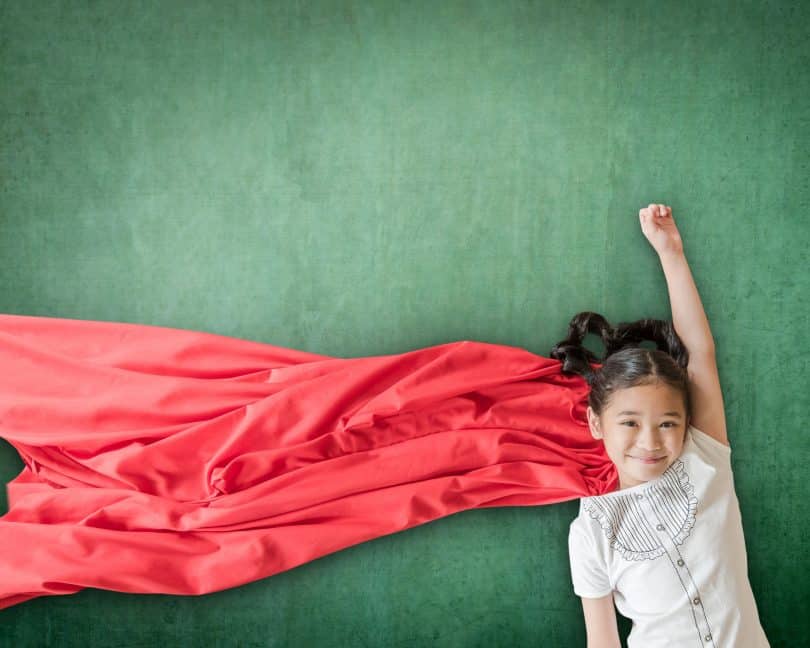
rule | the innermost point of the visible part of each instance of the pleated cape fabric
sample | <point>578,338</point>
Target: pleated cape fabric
<point>164,460</point>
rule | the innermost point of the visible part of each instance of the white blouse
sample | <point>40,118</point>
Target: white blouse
<point>672,551</point>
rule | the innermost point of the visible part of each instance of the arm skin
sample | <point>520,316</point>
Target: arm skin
<point>601,626</point>
<point>691,325</point>
<point>688,317</point>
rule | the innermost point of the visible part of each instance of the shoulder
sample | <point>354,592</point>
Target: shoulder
<point>707,445</point>
<point>583,521</point>
<point>579,525</point>
<point>583,542</point>
<point>585,530</point>
<point>576,524</point>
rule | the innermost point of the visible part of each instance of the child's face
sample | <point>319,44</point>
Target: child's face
<point>652,432</point>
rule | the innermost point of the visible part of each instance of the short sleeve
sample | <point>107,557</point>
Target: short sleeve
<point>588,568</point>
<point>716,453</point>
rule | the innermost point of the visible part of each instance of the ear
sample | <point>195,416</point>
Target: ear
<point>593,423</point>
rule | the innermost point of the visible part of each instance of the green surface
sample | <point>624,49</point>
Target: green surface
<point>358,178</point>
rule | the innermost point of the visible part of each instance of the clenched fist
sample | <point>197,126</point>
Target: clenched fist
<point>659,228</point>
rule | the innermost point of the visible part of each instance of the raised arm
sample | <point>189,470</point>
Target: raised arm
<point>688,316</point>
<point>689,320</point>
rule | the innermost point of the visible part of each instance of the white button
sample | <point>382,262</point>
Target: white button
<point>680,562</point>
<point>695,600</point>
<point>638,496</point>
<point>660,527</point>
<point>708,637</point>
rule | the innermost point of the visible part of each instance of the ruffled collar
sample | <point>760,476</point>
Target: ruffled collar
<point>624,521</point>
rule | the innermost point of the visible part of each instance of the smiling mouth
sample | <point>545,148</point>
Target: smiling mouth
<point>648,461</point>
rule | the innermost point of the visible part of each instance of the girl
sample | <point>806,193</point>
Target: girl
<point>667,543</point>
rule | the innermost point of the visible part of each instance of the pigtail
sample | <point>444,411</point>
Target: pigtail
<point>662,332</point>
<point>576,358</point>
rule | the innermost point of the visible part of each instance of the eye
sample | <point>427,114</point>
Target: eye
<point>669,423</point>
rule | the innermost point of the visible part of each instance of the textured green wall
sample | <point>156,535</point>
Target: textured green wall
<point>356,178</point>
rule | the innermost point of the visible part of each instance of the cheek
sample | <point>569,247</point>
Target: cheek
<point>618,450</point>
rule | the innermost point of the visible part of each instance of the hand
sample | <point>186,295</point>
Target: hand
<point>659,228</point>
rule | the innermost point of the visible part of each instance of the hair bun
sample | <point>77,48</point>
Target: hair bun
<point>576,358</point>
<point>661,332</point>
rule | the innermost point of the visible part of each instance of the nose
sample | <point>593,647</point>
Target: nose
<point>649,440</point>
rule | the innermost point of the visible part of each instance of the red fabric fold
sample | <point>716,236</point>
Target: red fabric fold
<point>162,460</point>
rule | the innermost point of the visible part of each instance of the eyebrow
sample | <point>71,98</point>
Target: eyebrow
<point>676,414</point>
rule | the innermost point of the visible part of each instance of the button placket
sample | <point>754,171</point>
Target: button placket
<point>683,574</point>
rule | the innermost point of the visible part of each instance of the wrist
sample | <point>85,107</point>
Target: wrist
<point>671,255</point>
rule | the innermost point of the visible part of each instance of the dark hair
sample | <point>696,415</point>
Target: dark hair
<point>625,363</point>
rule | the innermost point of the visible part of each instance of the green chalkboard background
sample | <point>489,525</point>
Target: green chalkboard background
<point>357,178</point>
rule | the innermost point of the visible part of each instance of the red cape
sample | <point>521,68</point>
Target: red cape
<point>163,460</point>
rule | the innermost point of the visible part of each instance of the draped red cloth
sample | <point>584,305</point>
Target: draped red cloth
<point>163,460</point>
